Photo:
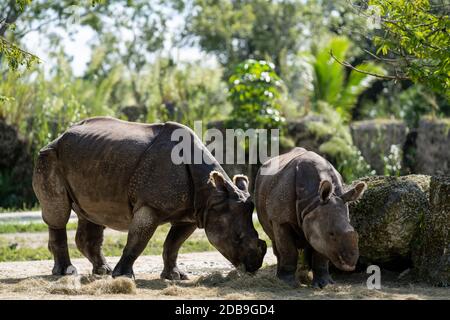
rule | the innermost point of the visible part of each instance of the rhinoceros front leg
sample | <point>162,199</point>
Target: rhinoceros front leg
<point>89,240</point>
<point>321,275</point>
<point>142,227</point>
<point>286,252</point>
<point>175,238</point>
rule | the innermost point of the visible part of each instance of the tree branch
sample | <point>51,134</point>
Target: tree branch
<point>349,65</point>
<point>9,44</point>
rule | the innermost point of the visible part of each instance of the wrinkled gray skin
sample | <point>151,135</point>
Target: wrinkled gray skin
<point>302,205</point>
<point>120,175</point>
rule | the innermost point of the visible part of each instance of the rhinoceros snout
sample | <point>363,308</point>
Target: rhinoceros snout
<point>254,259</point>
<point>348,255</point>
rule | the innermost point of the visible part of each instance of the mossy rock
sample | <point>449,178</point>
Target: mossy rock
<point>432,252</point>
<point>387,218</point>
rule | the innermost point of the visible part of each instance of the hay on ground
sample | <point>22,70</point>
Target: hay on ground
<point>79,285</point>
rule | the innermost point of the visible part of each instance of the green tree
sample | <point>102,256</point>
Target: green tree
<point>331,81</point>
<point>238,30</point>
<point>11,52</point>
<point>145,20</point>
<point>186,92</point>
<point>415,40</point>
<point>255,94</point>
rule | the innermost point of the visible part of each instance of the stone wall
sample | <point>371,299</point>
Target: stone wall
<point>433,147</point>
<point>374,139</point>
<point>424,150</point>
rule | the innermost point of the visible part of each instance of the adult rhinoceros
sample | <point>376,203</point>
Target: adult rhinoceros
<point>120,175</point>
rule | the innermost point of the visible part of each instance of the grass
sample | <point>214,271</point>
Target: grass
<point>29,227</point>
<point>17,248</point>
<point>14,247</point>
<point>112,246</point>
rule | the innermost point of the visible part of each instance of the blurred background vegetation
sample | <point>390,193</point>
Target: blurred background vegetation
<point>248,63</point>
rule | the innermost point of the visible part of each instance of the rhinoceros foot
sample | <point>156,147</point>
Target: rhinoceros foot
<point>102,270</point>
<point>174,274</point>
<point>289,279</point>
<point>322,281</point>
<point>60,270</point>
<point>120,271</point>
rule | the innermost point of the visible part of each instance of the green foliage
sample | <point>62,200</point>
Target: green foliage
<point>409,104</point>
<point>8,190</point>
<point>255,93</point>
<point>417,32</point>
<point>186,93</point>
<point>238,30</point>
<point>42,108</point>
<point>393,161</point>
<point>338,144</point>
<point>331,83</point>
<point>146,20</point>
<point>15,56</point>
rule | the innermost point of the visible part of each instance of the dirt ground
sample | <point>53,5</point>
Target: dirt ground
<point>211,277</point>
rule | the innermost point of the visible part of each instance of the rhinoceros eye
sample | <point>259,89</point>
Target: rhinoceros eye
<point>237,239</point>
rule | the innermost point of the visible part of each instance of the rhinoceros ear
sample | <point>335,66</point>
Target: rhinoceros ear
<point>354,193</point>
<point>218,181</point>
<point>325,190</point>
<point>241,182</point>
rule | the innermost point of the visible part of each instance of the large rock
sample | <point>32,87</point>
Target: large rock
<point>374,139</point>
<point>387,219</point>
<point>432,147</point>
<point>432,258</point>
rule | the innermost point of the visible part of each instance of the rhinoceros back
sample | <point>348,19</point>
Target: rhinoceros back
<point>97,158</point>
<point>297,178</point>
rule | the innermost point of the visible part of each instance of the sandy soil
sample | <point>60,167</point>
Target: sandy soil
<point>211,277</point>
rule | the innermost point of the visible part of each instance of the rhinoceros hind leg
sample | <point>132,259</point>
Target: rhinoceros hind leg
<point>321,275</point>
<point>287,254</point>
<point>89,240</point>
<point>143,225</point>
<point>48,184</point>
<point>57,245</point>
<point>175,238</point>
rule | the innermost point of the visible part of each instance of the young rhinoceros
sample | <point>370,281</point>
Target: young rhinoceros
<point>301,204</point>
<point>121,175</point>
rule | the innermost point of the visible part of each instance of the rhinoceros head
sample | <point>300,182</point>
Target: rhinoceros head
<point>229,226</point>
<point>327,227</point>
